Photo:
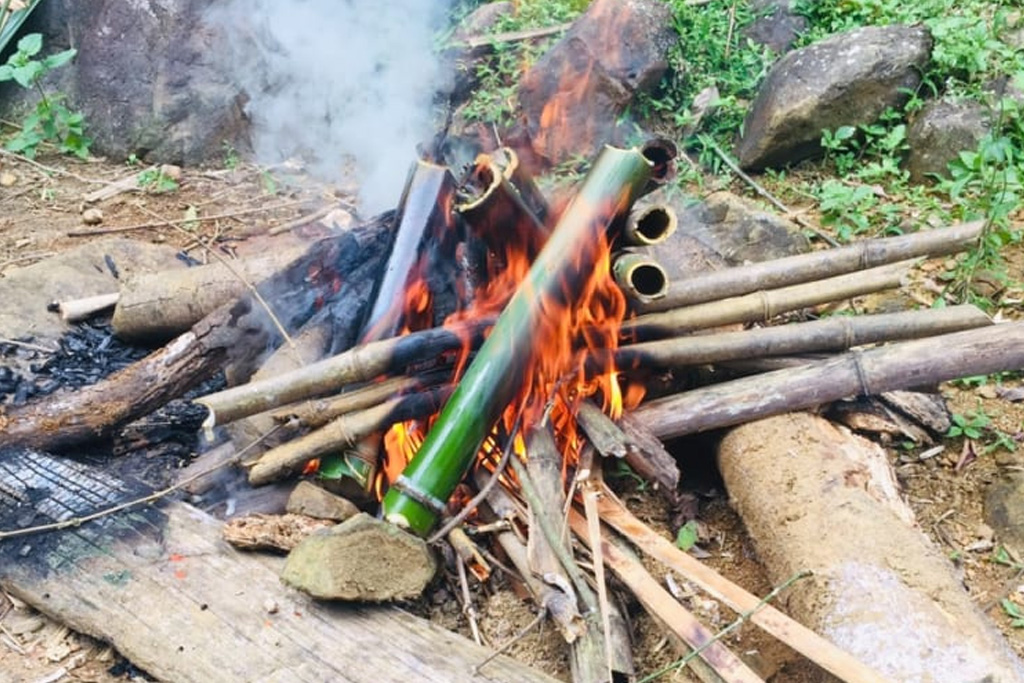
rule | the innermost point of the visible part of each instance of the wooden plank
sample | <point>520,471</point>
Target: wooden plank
<point>162,587</point>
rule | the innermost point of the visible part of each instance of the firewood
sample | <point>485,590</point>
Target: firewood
<point>716,663</point>
<point>764,305</point>
<point>836,333</point>
<point>800,638</point>
<point>899,366</point>
<point>646,455</point>
<point>496,374</point>
<point>159,306</point>
<point>793,270</point>
<point>75,310</point>
<point>640,277</point>
<point>234,332</point>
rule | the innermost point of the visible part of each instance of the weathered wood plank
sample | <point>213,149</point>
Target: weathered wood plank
<point>163,587</point>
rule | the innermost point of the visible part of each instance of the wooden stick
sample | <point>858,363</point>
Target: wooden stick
<point>764,305</point>
<point>317,413</point>
<point>344,431</point>
<point>181,221</point>
<point>512,36</point>
<point>866,373</point>
<point>716,663</point>
<point>793,270</point>
<point>837,333</point>
<point>358,364</point>
<point>76,310</point>
<point>803,640</point>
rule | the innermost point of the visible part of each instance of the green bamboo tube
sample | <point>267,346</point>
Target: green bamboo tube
<point>640,277</point>
<point>496,374</point>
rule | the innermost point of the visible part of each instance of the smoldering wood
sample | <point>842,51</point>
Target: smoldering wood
<point>237,333</point>
<point>716,663</point>
<point>155,307</point>
<point>818,265</point>
<point>345,431</point>
<point>836,333</point>
<point>764,305</point>
<point>359,364</point>
<point>898,366</point>
<point>805,641</point>
<point>162,574</point>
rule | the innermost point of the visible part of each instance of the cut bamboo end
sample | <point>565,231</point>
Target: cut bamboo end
<point>650,225</point>
<point>640,277</point>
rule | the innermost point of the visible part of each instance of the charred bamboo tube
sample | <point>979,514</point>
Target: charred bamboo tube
<point>358,364</point>
<point>522,181</point>
<point>492,208</point>
<point>793,270</point>
<point>344,432</point>
<point>495,375</point>
<point>650,225</point>
<point>640,277</point>
<point>837,333</point>
<point>900,366</point>
<point>765,305</point>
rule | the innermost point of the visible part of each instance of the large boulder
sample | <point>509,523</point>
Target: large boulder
<point>146,77</point>
<point>846,80</point>
<point>939,132</point>
<point>574,95</point>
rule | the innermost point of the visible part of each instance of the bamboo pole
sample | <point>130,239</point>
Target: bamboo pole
<point>837,333</point>
<point>639,276</point>
<point>805,641</point>
<point>494,377</point>
<point>344,432</point>
<point>764,305</point>
<point>359,364</point>
<point>793,270</point>
<point>899,366</point>
<point>649,225</point>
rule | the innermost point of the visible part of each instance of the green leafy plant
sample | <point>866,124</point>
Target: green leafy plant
<point>51,120</point>
<point>977,426</point>
<point>687,535</point>
<point>1014,611</point>
<point>155,181</point>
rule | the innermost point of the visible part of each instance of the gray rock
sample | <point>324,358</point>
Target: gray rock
<point>588,78</point>
<point>939,132</point>
<point>848,79</point>
<point>1004,510</point>
<point>146,77</point>
<point>362,559</point>
<point>739,230</point>
<point>313,501</point>
<point>777,26</point>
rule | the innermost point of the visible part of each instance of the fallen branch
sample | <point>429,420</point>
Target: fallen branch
<point>182,221</point>
<point>864,373</point>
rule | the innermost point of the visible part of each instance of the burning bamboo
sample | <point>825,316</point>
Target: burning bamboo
<point>345,431</point>
<point>899,366</point>
<point>837,333</point>
<point>764,305</point>
<point>496,374</point>
<point>793,270</point>
<point>640,277</point>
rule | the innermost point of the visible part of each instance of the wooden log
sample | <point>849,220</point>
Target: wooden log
<point>237,332</point>
<point>793,476</point>
<point>160,585</point>
<point>899,366</point>
<point>344,432</point>
<point>318,412</point>
<point>155,307</point>
<point>836,333</point>
<point>805,641</point>
<point>716,663</point>
<point>793,270</point>
<point>764,305</point>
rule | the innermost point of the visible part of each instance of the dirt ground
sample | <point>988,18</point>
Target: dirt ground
<point>41,203</point>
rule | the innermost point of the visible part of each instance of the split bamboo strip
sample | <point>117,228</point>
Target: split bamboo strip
<point>716,663</point>
<point>899,366</point>
<point>793,270</point>
<point>837,333</point>
<point>805,641</point>
<point>764,305</point>
<point>344,432</point>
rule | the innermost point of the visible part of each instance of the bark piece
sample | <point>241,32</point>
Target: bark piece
<point>362,560</point>
<point>271,532</point>
<point>810,477</point>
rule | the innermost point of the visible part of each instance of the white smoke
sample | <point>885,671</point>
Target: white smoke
<point>338,83</point>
